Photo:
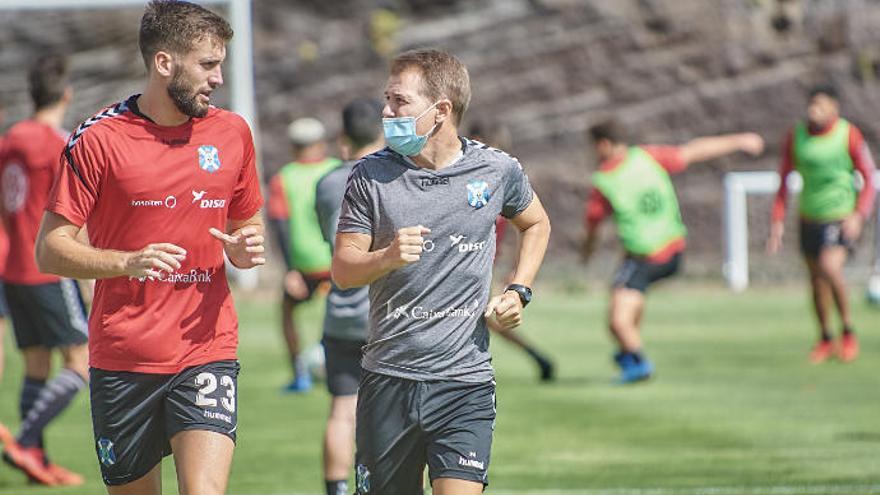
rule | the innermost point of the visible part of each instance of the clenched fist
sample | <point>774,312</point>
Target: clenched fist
<point>406,248</point>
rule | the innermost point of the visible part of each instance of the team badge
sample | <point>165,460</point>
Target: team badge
<point>478,193</point>
<point>209,158</point>
<point>362,479</point>
<point>106,454</point>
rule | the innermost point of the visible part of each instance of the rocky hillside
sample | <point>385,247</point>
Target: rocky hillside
<point>545,69</point>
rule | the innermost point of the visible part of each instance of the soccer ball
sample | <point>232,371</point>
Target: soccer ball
<point>873,292</point>
<point>314,359</point>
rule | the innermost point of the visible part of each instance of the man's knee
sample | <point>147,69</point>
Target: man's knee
<point>76,358</point>
<point>37,362</point>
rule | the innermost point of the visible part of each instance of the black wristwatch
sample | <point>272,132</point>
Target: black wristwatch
<point>524,293</point>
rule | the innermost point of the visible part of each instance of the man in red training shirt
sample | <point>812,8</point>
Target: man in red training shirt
<point>166,184</point>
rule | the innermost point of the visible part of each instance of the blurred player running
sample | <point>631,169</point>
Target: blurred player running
<point>828,152</point>
<point>292,218</point>
<point>47,311</point>
<point>482,132</point>
<point>346,313</point>
<point>166,183</point>
<point>633,184</point>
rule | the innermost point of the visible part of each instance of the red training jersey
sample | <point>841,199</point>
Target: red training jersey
<point>28,166</point>
<point>136,183</point>
<point>598,207</point>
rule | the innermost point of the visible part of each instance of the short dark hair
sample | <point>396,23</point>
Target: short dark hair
<point>362,121</point>
<point>176,26</point>
<point>826,89</point>
<point>47,79</point>
<point>609,129</point>
<point>443,76</point>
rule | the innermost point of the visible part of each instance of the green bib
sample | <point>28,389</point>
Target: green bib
<point>645,207</point>
<point>309,253</point>
<point>827,169</point>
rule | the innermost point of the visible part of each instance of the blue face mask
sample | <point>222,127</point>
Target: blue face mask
<point>401,136</point>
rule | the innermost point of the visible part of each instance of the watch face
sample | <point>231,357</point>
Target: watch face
<point>524,293</point>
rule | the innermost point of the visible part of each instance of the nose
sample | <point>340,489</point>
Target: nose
<point>386,112</point>
<point>216,78</point>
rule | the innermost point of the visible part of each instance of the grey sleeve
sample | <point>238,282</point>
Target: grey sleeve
<point>518,192</point>
<point>356,215</point>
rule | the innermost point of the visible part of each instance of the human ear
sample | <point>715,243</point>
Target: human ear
<point>163,62</point>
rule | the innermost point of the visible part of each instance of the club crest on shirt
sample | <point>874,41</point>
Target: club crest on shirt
<point>209,158</point>
<point>478,193</point>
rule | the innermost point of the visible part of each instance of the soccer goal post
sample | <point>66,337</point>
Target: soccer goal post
<point>737,187</point>
<point>240,75</point>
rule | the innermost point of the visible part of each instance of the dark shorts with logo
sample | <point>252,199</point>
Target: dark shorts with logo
<point>404,425</point>
<point>638,274</point>
<point>342,359</point>
<point>47,315</point>
<point>135,415</point>
<point>817,236</point>
<point>312,284</point>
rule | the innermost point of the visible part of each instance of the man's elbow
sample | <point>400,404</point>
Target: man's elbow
<point>340,277</point>
<point>45,261</point>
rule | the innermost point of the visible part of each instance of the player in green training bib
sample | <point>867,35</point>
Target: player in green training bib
<point>292,214</point>
<point>633,184</point>
<point>828,152</point>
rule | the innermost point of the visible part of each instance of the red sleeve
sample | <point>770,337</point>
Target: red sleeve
<point>864,164</point>
<point>598,208</point>
<point>277,200</point>
<point>75,187</point>
<point>786,166</point>
<point>669,157</point>
<point>246,197</point>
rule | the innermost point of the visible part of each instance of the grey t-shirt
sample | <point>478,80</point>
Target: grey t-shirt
<point>346,312</point>
<point>426,319</point>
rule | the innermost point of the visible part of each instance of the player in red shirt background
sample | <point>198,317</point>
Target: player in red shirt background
<point>166,184</point>
<point>4,249</point>
<point>47,311</point>
<point>4,309</point>
<point>497,136</point>
<point>829,152</point>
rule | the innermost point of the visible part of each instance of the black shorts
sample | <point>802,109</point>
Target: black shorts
<point>47,315</point>
<point>135,415</point>
<point>342,359</point>
<point>817,236</point>
<point>312,284</point>
<point>637,274</point>
<point>402,425</point>
<point>4,309</point>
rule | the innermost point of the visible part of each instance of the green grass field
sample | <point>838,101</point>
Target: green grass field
<point>734,409</point>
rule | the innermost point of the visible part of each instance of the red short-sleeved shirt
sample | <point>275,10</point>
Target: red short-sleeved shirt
<point>28,166</point>
<point>136,183</point>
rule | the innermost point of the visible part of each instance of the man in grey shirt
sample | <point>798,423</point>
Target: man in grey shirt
<point>346,311</point>
<point>418,225</point>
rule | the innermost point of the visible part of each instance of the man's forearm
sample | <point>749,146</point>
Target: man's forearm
<point>355,268</point>
<point>531,252</point>
<point>708,148</point>
<point>67,257</point>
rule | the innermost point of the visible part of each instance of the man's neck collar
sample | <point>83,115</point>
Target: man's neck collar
<point>440,152</point>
